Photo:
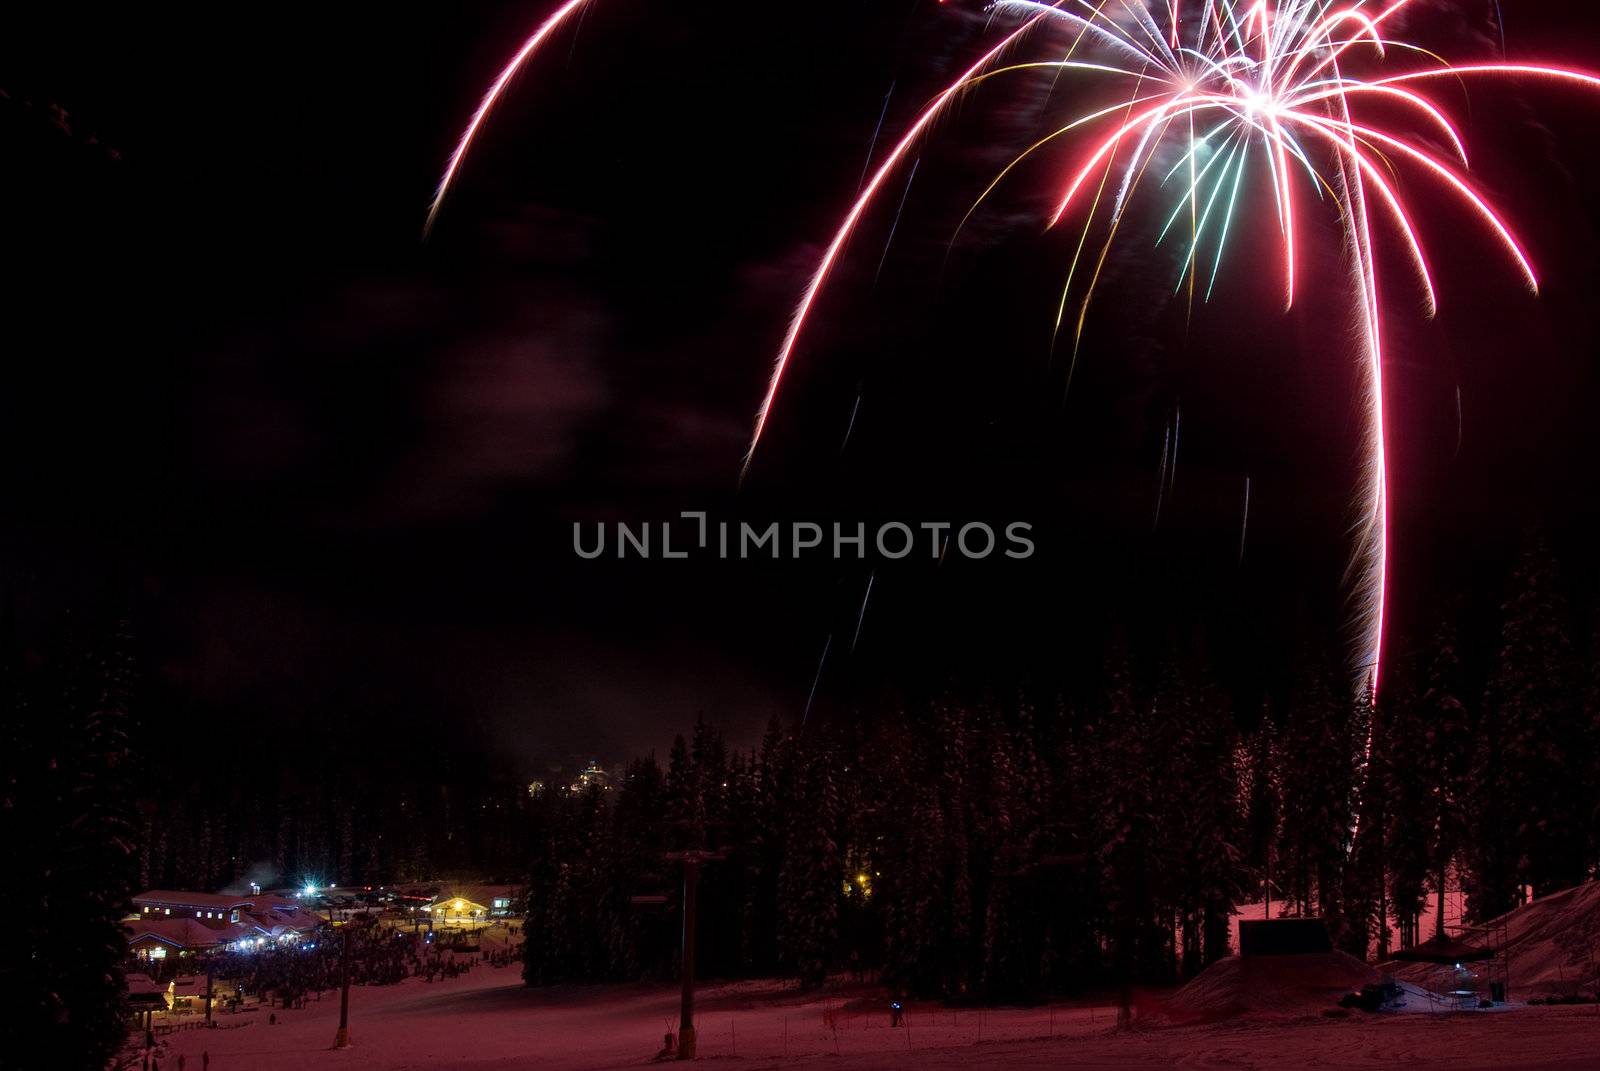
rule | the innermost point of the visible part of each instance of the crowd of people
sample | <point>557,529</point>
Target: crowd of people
<point>280,978</point>
<point>286,976</point>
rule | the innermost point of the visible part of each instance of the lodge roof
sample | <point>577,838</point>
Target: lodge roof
<point>185,933</point>
<point>269,916</point>
<point>482,896</point>
<point>172,898</point>
<point>140,984</point>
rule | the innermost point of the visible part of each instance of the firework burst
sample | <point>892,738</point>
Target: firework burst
<point>1325,97</point>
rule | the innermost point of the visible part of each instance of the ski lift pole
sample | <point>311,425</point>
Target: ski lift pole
<point>692,861</point>
<point>691,905</point>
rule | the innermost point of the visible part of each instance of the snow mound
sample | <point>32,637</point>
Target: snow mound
<point>1553,947</point>
<point>1269,987</point>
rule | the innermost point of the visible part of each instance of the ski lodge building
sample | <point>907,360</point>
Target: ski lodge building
<point>166,922</point>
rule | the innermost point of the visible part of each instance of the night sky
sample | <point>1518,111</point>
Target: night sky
<point>333,469</point>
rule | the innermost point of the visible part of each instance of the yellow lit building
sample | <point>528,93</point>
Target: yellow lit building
<point>465,904</point>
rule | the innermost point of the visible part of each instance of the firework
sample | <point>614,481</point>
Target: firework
<point>563,14</point>
<point>1226,86</point>
<point>1200,92</point>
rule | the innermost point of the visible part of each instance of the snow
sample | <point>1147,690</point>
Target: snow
<point>1260,1013</point>
<point>1553,946</point>
<point>1269,986</point>
<point>488,1021</point>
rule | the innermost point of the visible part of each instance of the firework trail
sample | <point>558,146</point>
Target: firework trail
<point>817,680</point>
<point>1197,94</point>
<point>496,90</point>
<point>1461,427</point>
<point>1244,524</point>
<point>861,618</point>
<point>877,132</point>
<point>855,410</point>
<point>1161,477</point>
<point>894,228</point>
<point>1177,437</point>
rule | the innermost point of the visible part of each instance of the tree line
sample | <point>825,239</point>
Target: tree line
<point>992,846</point>
<point>1001,848</point>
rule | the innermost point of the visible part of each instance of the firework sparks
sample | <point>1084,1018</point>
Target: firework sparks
<point>817,680</point>
<point>888,243</point>
<point>855,411</point>
<point>1244,523</point>
<point>1203,91</point>
<point>562,15</point>
<point>1220,85</point>
<point>877,132</point>
<point>861,618</point>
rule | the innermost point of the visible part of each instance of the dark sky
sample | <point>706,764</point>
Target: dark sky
<point>335,468</point>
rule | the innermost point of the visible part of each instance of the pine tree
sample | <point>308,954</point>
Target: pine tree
<point>1405,772</point>
<point>955,938</point>
<point>764,846</point>
<point>1363,912</point>
<point>709,760</point>
<point>1531,804</point>
<point>914,960</point>
<point>1263,802</point>
<point>685,802</point>
<point>1125,829</point>
<point>1450,747</point>
<point>1318,773</point>
<point>1001,824</point>
<point>1202,807</point>
<point>812,873</point>
<point>68,827</point>
<point>901,808</point>
<point>633,864</point>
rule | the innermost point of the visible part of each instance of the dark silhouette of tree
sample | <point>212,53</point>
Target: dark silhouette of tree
<point>70,840</point>
<point>812,873</point>
<point>1531,804</point>
<point>1317,766</point>
<point>1405,775</point>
